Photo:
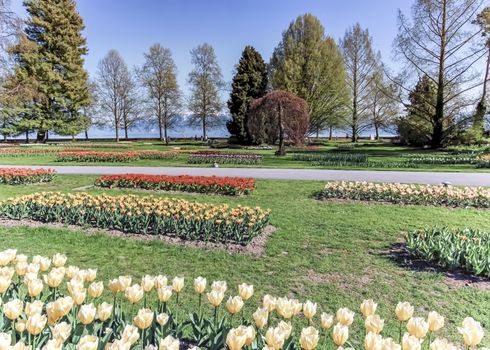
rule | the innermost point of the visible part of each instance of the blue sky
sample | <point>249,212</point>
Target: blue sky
<point>131,26</point>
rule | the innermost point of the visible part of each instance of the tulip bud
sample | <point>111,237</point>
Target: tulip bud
<point>200,285</point>
<point>160,281</point>
<point>52,344</point>
<point>20,326</point>
<point>36,307</point>
<point>35,287</point>
<point>219,286</point>
<point>285,307</point>
<point>55,277</point>
<point>90,275</point>
<point>389,344</point>
<point>4,284</point>
<point>130,334</point>
<point>410,342</point>
<point>373,341</point>
<point>274,338</point>
<point>443,344</point>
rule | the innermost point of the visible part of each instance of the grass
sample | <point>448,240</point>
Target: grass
<point>376,151</point>
<point>332,253</point>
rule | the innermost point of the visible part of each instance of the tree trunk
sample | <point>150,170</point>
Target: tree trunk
<point>376,129</point>
<point>86,134</point>
<point>330,134</point>
<point>117,133</point>
<point>126,131</point>
<point>27,136</point>
<point>282,149</point>
<point>204,134</point>
<point>317,134</point>
<point>160,129</point>
<point>481,109</point>
<point>166,133</point>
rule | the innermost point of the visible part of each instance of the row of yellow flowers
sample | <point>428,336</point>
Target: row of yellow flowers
<point>141,214</point>
<point>51,306</point>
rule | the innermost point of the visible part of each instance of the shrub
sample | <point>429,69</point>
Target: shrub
<point>72,302</point>
<point>453,249</point>
<point>203,184</point>
<point>224,158</point>
<point>477,197</point>
<point>146,215</point>
<point>22,176</point>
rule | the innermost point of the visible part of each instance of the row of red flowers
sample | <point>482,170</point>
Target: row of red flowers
<point>100,156</point>
<point>185,183</point>
<point>20,176</point>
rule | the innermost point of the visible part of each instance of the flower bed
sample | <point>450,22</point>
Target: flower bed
<point>202,184</point>
<point>446,159</point>
<point>111,157</point>
<point>141,215</point>
<point>476,197</point>
<point>26,152</point>
<point>22,176</point>
<point>332,159</point>
<point>465,249</point>
<point>66,309</point>
<point>224,158</point>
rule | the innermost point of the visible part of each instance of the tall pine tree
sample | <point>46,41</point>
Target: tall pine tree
<point>249,82</point>
<point>55,63</point>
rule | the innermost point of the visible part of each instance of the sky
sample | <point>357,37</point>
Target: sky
<point>132,26</point>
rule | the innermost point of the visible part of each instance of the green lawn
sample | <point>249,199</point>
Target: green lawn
<point>381,152</point>
<point>332,253</point>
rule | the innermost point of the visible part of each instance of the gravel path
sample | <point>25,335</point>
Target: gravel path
<point>459,179</point>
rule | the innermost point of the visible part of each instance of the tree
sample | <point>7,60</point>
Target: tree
<point>9,27</point>
<point>159,76</point>
<point>250,82</point>
<point>438,43</point>
<point>116,94</point>
<point>417,127</point>
<point>383,108</point>
<point>206,81</point>
<point>54,64</point>
<point>483,20</point>
<point>309,64</point>
<point>279,115</point>
<point>360,62</point>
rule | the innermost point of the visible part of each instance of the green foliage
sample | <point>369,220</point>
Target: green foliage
<point>465,249</point>
<point>249,82</point>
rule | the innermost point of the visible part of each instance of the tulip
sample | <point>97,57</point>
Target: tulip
<point>35,287</point>
<point>236,338</point>
<point>21,346</point>
<point>269,302</point>
<point>373,341</point>
<point>245,291</point>
<point>435,321</point>
<point>104,311</point>
<point>200,285</point>
<point>72,271</point>
<point>309,310</point>
<point>147,283</point>
<point>130,334</point>
<point>219,286</point>
<point>13,309</point>
<point>368,307</point>
<point>169,343</point>
<point>234,305</point>
<point>417,327</point>
<point>374,324</point>
<point>286,327</point>
<point>442,344</point>
<point>79,296</point>
<point>55,277</point>
<point>164,293</point>
<point>20,326</point>
<point>409,342</point>
<point>88,342</point>
<point>134,293</point>
<point>21,268</point>
<point>162,319</point>
<point>90,275</point>
<point>309,338</point>
<point>124,282</point>
<point>4,284</point>
<point>285,307</point>
<point>143,319</point>
<point>86,314</point>
<point>61,332</point>
<point>59,260</point>
<point>178,284</point>
<point>52,344</point>
<point>275,337</point>
<point>21,258</point>
<point>326,320</point>
<point>36,307</point>
<point>33,268</point>
<point>340,334</point>
<point>44,264</point>
<point>160,281</point>
<point>5,341</point>
<point>345,316</point>
<point>215,297</point>
<point>63,306</point>
<point>389,344</point>
<point>95,289</point>
<point>404,311</point>
<point>114,286</point>
<point>36,323</point>
<point>251,334</point>
<point>261,316</point>
<point>472,332</point>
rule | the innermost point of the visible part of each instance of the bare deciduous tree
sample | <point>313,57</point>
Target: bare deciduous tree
<point>159,76</point>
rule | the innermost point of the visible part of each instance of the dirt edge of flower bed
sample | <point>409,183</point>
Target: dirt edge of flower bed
<point>255,248</point>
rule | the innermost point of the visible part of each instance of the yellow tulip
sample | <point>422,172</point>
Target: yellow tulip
<point>251,334</point>
<point>88,342</point>
<point>114,286</point>
<point>389,344</point>
<point>104,311</point>
<point>71,271</point>
<point>345,316</point>
<point>59,260</point>
<point>52,344</point>
<point>134,293</point>
<point>35,287</point>
<point>90,275</point>
<point>78,296</point>
<point>44,264</point>
<point>368,307</point>
<point>169,343</point>
<point>409,342</point>
<point>86,314</point>
<point>13,309</point>
<point>164,293</point>
<point>62,306</point>
<point>435,320</point>
<point>417,327</point>
<point>374,324</point>
<point>340,334</point>
<point>20,326</point>
<point>61,331</point>
<point>200,285</point>
<point>245,291</point>
<point>160,281</point>
<point>274,338</point>
<point>219,286</point>
<point>36,323</point>
<point>147,283</point>
<point>326,320</point>
<point>260,316</point>
<point>472,332</point>
<point>309,338</point>
<point>443,344</point>
<point>95,289</point>
<point>124,282</point>
<point>234,304</point>
<point>236,338</point>
<point>21,346</point>
<point>178,284</point>
<point>215,297</point>
<point>55,277</point>
<point>35,307</point>
<point>269,302</point>
<point>130,334</point>
<point>143,319</point>
<point>404,311</point>
<point>5,341</point>
<point>162,319</point>
<point>21,268</point>
<point>373,341</point>
<point>286,327</point>
<point>285,307</point>
<point>309,309</point>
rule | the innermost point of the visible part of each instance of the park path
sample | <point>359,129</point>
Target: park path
<point>458,179</point>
